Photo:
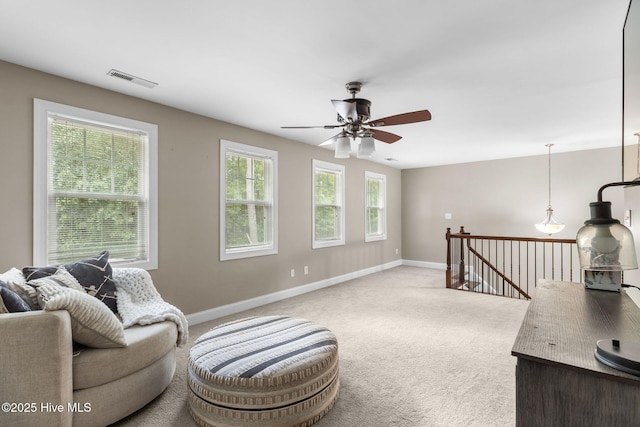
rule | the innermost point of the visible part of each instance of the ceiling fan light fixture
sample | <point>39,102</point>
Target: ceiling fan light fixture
<point>343,147</point>
<point>366,147</point>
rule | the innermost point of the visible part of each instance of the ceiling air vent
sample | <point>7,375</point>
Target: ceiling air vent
<point>132,79</point>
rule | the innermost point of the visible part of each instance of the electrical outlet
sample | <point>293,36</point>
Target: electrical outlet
<point>293,272</point>
<point>306,270</point>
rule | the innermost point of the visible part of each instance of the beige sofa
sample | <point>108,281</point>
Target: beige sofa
<point>44,382</point>
<point>95,388</point>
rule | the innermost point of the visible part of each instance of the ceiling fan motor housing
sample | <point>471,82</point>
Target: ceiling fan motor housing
<point>363,108</point>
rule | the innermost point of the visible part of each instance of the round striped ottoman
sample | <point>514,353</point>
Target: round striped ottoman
<point>263,371</point>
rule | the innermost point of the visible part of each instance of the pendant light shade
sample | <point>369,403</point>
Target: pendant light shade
<point>601,248</point>
<point>549,225</point>
<point>343,147</point>
<point>603,243</point>
<point>367,147</point>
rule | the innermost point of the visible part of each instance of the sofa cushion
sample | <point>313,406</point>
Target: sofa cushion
<point>61,277</point>
<point>16,282</point>
<point>145,345</point>
<point>92,323</point>
<point>27,293</point>
<point>93,274</point>
<point>11,302</point>
<point>13,275</point>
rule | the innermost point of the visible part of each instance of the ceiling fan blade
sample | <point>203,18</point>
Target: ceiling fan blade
<point>402,119</point>
<point>383,136</point>
<point>312,127</point>
<point>347,110</point>
<point>330,140</point>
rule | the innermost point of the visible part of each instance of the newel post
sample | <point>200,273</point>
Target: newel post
<point>448,274</point>
<point>461,272</point>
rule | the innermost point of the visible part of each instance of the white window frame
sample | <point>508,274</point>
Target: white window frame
<point>42,111</point>
<point>272,190</point>
<point>373,176</point>
<point>338,170</point>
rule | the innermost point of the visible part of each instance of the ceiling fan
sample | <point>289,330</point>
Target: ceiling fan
<point>353,117</point>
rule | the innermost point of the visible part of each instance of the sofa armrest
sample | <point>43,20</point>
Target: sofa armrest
<point>36,368</point>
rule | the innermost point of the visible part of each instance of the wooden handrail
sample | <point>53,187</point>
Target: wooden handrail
<point>518,256</point>
<point>515,239</point>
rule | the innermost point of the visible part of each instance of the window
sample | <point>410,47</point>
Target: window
<point>95,187</point>
<point>328,204</point>
<point>375,206</point>
<point>248,207</point>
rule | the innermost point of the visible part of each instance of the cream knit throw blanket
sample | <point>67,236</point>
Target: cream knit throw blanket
<point>140,303</point>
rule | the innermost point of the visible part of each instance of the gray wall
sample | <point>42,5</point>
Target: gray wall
<point>503,197</point>
<point>190,274</point>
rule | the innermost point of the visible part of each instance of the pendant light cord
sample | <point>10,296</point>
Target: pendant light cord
<point>637,156</point>
<point>549,145</point>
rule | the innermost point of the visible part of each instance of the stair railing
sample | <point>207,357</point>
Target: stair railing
<point>507,266</point>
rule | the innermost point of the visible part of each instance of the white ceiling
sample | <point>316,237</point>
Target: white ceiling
<point>501,78</point>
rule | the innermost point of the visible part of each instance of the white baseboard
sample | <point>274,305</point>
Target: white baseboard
<point>236,307</point>
<point>425,264</point>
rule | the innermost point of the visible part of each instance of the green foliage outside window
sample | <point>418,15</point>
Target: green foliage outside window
<point>87,226</point>
<point>374,225</point>
<point>95,187</point>
<point>248,212</point>
<point>327,210</point>
<point>375,205</point>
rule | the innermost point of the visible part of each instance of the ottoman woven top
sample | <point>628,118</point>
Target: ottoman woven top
<point>262,347</point>
<point>267,371</point>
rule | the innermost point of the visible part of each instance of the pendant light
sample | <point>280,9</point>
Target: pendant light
<point>603,243</point>
<point>549,225</point>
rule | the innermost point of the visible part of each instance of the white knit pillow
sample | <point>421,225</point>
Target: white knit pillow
<point>13,275</point>
<point>92,323</point>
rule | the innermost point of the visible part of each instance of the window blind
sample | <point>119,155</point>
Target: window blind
<point>97,191</point>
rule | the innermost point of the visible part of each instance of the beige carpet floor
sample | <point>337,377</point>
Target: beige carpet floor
<point>412,353</point>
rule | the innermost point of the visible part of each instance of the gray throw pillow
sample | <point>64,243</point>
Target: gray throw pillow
<point>10,302</point>
<point>93,274</point>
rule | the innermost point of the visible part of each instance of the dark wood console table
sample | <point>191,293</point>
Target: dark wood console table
<point>559,382</point>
